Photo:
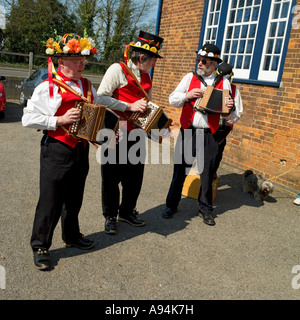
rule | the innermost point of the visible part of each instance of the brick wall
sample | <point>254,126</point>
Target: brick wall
<point>267,138</point>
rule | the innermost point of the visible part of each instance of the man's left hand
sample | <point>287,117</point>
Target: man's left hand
<point>230,103</point>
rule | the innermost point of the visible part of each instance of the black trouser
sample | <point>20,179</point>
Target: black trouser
<point>63,172</point>
<point>220,136</point>
<point>129,175</point>
<point>181,171</point>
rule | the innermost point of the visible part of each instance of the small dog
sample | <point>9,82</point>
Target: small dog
<point>257,185</point>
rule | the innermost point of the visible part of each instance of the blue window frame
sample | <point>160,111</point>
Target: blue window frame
<point>253,36</point>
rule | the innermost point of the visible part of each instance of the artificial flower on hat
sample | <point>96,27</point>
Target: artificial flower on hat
<point>70,44</point>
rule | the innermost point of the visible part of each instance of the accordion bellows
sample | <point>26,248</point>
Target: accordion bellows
<point>151,118</point>
<point>93,118</point>
<point>214,100</point>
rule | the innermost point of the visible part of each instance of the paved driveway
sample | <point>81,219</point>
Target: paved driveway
<point>249,254</point>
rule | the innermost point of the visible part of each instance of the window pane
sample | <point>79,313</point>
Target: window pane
<point>232,16</point>
<point>208,34</point>
<point>232,60</point>
<point>281,29</point>
<point>241,3</point>
<point>244,31</point>
<point>212,5</point>
<point>229,33</point>
<point>267,62</point>
<point>270,46</point>
<point>218,5</point>
<point>214,35</point>
<point>247,62</point>
<point>234,46</point>
<point>247,15</point>
<point>273,29</point>
<point>252,31</point>
<point>227,47</point>
<point>242,46</point>
<point>255,13</point>
<point>239,16</point>
<point>249,3</point>
<point>234,3</point>
<point>278,46</point>
<point>216,18</point>
<point>239,62</point>
<point>275,63</point>
<point>237,32</point>
<point>250,46</point>
<point>210,19</point>
<point>276,11</point>
<point>285,10</point>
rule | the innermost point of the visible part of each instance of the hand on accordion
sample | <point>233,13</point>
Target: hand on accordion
<point>119,136</point>
<point>71,116</point>
<point>230,103</point>
<point>195,93</point>
<point>138,106</point>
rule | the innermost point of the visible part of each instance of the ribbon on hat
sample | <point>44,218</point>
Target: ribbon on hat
<point>51,70</point>
<point>50,64</point>
<point>126,50</point>
<point>69,34</point>
<point>150,42</point>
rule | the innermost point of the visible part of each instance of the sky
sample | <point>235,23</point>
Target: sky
<point>4,6</point>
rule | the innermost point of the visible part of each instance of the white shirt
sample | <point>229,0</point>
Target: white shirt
<point>115,78</point>
<point>40,110</point>
<point>178,99</point>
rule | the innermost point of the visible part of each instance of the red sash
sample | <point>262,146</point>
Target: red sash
<point>131,93</point>
<point>188,113</point>
<point>68,102</point>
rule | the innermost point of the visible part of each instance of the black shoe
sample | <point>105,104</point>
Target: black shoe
<point>81,243</point>
<point>207,218</point>
<point>110,226</point>
<point>41,259</point>
<point>169,213</point>
<point>133,219</point>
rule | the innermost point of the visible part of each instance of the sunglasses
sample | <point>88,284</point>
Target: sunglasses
<point>204,61</point>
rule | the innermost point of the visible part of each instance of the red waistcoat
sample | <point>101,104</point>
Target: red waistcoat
<point>131,93</point>
<point>68,102</point>
<point>188,113</point>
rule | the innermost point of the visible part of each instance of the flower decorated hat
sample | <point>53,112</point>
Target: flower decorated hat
<point>70,45</point>
<point>210,51</point>
<point>146,42</point>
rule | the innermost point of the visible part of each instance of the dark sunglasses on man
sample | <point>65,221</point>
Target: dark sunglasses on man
<point>204,61</point>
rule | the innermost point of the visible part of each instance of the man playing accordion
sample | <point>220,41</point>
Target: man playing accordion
<point>120,92</point>
<point>191,88</point>
<point>64,161</point>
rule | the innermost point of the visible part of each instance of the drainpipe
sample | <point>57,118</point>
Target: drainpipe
<point>158,17</point>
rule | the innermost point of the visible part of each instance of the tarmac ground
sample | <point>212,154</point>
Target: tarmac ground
<point>251,254</point>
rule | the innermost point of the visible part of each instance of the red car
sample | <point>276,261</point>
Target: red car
<point>2,98</point>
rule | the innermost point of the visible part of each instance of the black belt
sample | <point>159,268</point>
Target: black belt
<point>207,130</point>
